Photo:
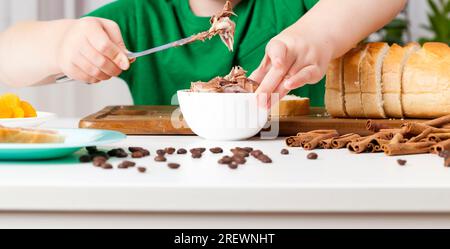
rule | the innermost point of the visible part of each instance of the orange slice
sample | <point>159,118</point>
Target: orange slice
<point>9,100</point>
<point>18,112</point>
<point>6,112</point>
<point>28,109</point>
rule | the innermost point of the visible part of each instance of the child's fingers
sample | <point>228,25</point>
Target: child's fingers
<point>308,75</point>
<point>261,71</point>
<point>114,33</point>
<point>281,63</point>
<point>100,61</point>
<point>100,40</point>
<point>77,73</point>
<point>87,67</point>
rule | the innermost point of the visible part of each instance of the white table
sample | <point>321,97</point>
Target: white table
<point>338,190</point>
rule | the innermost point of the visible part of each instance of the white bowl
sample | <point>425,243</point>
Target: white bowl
<point>41,118</point>
<point>222,116</point>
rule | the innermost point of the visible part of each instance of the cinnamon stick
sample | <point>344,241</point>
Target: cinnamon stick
<point>397,139</point>
<point>361,146</point>
<point>440,147</point>
<point>438,137</point>
<point>341,142</point>
<point>407,148</point>
<point>391,132</point>
<point>439,122</point>
<point>375,126</point>
<point>421,136</point>
<point>314,143</point>
<point>326,144</point>
<point>417,128</point>
<point>293,141</point>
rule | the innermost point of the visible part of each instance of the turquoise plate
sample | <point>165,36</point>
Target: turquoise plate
<point>75,140</point>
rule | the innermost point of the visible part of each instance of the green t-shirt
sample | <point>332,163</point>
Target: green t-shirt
<point>155,79</point>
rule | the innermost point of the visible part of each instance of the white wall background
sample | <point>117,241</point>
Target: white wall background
<point>76,99</point>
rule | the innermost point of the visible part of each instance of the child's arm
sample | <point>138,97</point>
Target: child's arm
<point>88,49</point>
<point>300,54</point>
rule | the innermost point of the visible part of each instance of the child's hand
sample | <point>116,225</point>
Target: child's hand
<point>92,50</point>
<point>292,60</point>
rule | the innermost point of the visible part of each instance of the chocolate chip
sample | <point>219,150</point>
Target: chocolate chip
<point>91,149</point>
<point>233,165</point>
<point>98,161</point>
<point>137,154</point>
<point>142,169</point>
<point>182,151</point>
<point>444,154</point>
<point>161,152</point>
<point>160,159</point>
<point>106,166</point>
<point>239,159</point>
<point>196,155</point>
<point>225,160</point>
<point>170,150</point>
<point>99,154</point>
<point>401,162</point>
<point>264,158</point>
<point>145,152</point>
<point>284,152</point>
<point>120,153</point>
<point>216,150</point>
<point>312,156</point>
<point>126,165</point>
<point>248,149</point>
<point>134,149</point>
<point>240,152</point>
<point>85,159</point>
<point>173,165</point>
<point>197,150</point>
<point>256,153</point>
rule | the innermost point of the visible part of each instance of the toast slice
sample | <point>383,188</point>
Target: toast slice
<point>393,67</point>
<point>426,82</point>
<point>293,106</point>
<point>335,89</point>
<point>352,85</point>
<point>371,88</point>
<point>29,136</point>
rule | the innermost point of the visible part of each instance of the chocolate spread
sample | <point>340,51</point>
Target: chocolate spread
<point>221,25</point>
<point>235,82</point>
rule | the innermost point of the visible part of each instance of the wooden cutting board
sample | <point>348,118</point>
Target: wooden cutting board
<point>156,120</point>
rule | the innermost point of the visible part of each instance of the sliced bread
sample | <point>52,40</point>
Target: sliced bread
<point>393,67</point>
<point>426,82</point>
<point>371,88</point>
<point>29,136</point>
<point>352,85</point>
<point>335,89</point>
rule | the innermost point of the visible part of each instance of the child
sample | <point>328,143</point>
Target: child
<point>295,40</point>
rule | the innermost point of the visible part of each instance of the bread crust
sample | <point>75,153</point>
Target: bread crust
<point>335,89</point>
<point>352,84</point>
<point>426,82</point>
<point>371,88</point>
<point>29,136</point>
<point>393,67</point>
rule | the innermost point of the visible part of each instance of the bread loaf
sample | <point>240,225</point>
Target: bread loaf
<point>335,89</point>
<point>393,66</point>
<point>352,84</point>
<point>426,82</point>
<point>371,89</point>
<point>29,136</point>
<point>396,82</point>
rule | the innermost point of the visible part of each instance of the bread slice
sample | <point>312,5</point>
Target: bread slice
<point>371,89</point>
<point>29,136</point>
<point>393,67</point>
<point>292,106</point>
<point>352,85</point>
<point>335,89</point>
<point>426,82</point>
